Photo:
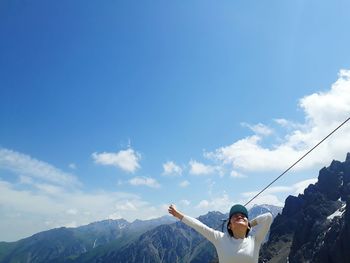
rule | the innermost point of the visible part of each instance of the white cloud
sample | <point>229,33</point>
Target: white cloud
<point>271,190</point>
<point>266,199</point>
<point>184,183</point>
<point>219,203</point>
<point>46,188</point>
<point>269,195</point>
<point>127,160</point>
<point>125,206</point>
<point>331,107</point>
<point>114,216</point>
<point>25,165</point>
<point>323,111</point>
<point>296,188</point>
<point>71,224</point>
<point>204,204</point>
<point>25,180</point>
<point>197,168</point>
<point>185,202</point>
<point>282,122</point>
<point>259,128</point>
<point>49,188</point>
<point>235,174</point>
<point>25,212</point>
<point>43,198</point>
<point>72,211</point>
<point>288,124</point>
<point>72,166</point>
<point>170,168</point>
<point>210,183</point>
<point>300,187</point>
<point>147,181</point>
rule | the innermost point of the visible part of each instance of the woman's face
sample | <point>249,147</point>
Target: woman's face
<point>238,221</point>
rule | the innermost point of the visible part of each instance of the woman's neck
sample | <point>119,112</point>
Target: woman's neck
<point>239,234</point>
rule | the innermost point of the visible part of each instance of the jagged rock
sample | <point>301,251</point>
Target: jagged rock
<point>292,205</point>
<point>315,226</point>
<point>333,247</point>
<point>329,181</point>
<point>347,160</point>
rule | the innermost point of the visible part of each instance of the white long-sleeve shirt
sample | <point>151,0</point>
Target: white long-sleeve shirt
<point>230,249</point>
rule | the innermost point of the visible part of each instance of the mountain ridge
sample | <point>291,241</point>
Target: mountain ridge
<point>70,243</point>
<point>315,225</point>
<point>105,240</point>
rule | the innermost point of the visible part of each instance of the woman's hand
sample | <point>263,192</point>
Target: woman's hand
<point>172,210</point>
<point>253,223</point>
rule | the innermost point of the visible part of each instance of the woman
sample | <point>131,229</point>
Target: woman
<point>236,245</point>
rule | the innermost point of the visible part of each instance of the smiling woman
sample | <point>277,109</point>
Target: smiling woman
<point>237,245</point>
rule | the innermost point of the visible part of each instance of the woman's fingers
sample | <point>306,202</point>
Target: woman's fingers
<point>172,209</point>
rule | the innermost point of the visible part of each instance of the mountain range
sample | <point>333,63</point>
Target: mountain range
<point>158,240</point>
<point>311,227</point>
<point>66,244</point>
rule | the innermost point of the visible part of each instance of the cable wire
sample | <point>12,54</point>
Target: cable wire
<point>290,167</point>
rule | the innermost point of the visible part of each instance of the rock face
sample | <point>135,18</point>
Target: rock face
<point>314,227</point>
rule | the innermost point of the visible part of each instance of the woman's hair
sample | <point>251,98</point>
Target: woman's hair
<point>230,231</point>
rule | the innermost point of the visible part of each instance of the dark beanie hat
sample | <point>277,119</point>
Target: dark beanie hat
<point>238,209</point>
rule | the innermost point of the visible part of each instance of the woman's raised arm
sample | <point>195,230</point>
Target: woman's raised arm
<point>209,233</point>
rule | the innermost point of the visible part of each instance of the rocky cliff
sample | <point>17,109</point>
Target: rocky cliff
<point>314,227</point>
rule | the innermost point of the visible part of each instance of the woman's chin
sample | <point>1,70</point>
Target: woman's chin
<point>241,224</point>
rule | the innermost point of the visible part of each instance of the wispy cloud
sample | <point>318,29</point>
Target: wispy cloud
<point>25,212</point>
<point>44,197</point>
<point>25,165</point>
<point>170,168</point>
<point>288,124</point>
<point>259,128</point>
<point>270,195</point>
<point>274,195</point>
<point>184,183</point>
<point>127,160</point>
<point>146,181</point>
<point>323,112</point>
<point>197,168</point>
<point>185,202</point>
<point>72,166</point>
<point>219,203</point>
<point>235,174</point>
<point>300,186</point>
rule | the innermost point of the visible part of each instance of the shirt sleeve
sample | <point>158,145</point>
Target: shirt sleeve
<point>264,222</point>
<point>212,235</point>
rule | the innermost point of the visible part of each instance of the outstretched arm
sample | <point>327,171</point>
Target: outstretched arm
<point>209,233</point>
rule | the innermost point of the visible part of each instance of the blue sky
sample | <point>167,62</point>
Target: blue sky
<point>118,108</point>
